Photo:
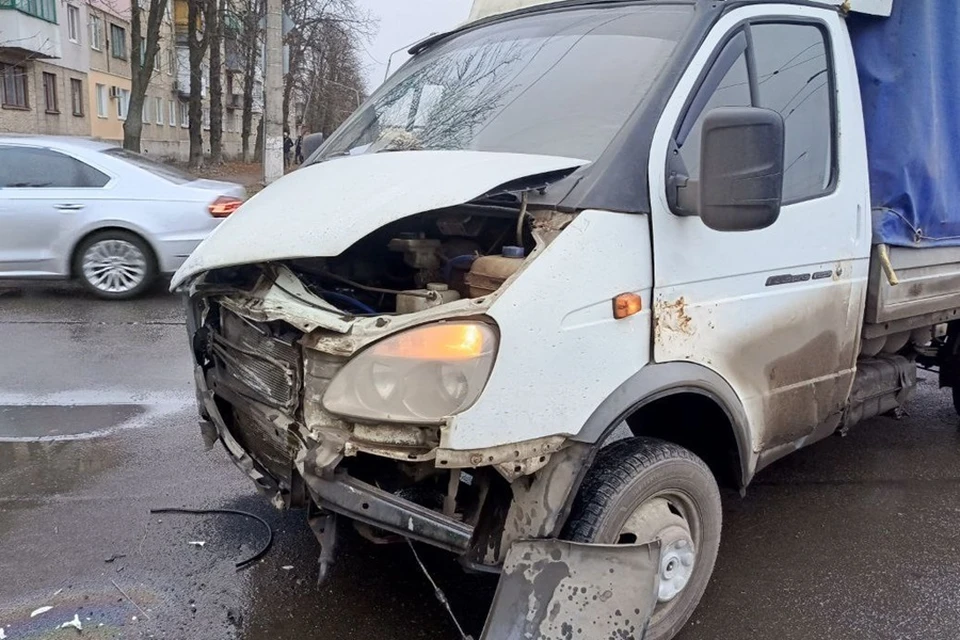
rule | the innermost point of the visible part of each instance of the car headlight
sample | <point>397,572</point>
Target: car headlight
<point>419,375</point>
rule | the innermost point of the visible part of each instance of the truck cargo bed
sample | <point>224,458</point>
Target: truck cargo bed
<point>927,289</point>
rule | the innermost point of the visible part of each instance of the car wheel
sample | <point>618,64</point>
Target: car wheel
<point>640,489</point>
<point>115,265</point>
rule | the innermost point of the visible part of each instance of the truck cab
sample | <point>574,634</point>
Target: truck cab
<point>570,270</point>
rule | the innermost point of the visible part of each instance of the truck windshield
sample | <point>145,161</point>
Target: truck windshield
<point>558,83</point>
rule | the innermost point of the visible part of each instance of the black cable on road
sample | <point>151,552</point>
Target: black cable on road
<point>243,564</point>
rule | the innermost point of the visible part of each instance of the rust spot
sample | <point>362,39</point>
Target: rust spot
<point>672,316</point>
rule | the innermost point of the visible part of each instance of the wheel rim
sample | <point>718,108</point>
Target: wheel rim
<point>114,266</point>
<point>670,517</point>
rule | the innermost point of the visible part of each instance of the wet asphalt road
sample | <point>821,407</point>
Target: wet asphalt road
<point>857,537</point>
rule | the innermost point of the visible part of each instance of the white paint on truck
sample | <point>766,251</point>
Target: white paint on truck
<point>361,193</point>
<point>575,338</point>
<point>789,351</point>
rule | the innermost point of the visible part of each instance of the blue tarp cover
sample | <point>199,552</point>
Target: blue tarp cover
<point>909,68</point>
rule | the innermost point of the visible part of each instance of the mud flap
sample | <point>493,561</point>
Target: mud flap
<point>554,589</point>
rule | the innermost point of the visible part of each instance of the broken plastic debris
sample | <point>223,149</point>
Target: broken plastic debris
<point>198,543</point>
<point>75,623</point>
<point>287,567</point>
<point>57,592</point>
<point>41,610</point>
<point>3,635</point>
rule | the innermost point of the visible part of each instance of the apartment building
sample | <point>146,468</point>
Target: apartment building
<point>42,68</point>
<point>65,69</point>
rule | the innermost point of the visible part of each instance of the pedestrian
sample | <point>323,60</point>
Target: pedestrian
<point>299,151</point>
<point>287,146</point>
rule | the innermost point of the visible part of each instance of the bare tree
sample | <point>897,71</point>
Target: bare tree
<point>141,65</point>
<point>214,28</point>
<point>258,146</point>
<point>197,44</point>
<point>250,49</point>
<point>324,57</point>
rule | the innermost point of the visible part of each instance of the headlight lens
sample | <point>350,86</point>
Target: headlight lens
<point>420,375</point>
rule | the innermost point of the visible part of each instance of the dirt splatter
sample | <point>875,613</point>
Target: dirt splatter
<point>672,317</point>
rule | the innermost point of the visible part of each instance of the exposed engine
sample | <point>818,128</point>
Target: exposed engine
<point>421,262</point>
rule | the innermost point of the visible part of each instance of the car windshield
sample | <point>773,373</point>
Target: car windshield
<point>559,83</point>
<point>159,169</point>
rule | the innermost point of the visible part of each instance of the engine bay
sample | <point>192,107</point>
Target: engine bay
<point>419,262</point>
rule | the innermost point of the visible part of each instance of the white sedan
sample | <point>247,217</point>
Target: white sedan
<point>77,208</point>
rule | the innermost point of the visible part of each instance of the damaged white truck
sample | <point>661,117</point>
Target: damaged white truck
<point>569,221</point>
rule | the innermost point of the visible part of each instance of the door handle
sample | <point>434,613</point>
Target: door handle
<point>68,207</point>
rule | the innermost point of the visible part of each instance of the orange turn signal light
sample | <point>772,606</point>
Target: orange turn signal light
<point>452,342</point>
<point>224,206</point>
<point>626,305</point>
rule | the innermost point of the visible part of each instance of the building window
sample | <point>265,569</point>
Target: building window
<point>73,23</point>
<point>173,113</point>
<point>101,101</point>
<point>118,42</point>
<point>76,96</point>
<point>184,115</point>
<point>43,9</point>
<point>146,117</point>
<point>50,93</point>
<point>158,105</point>
<point>123,103</point>
<point>205,119</point>
<point>14,86</point>
<point>143,52</point>
<point>96,32</point>
<point>157,59</point>
<point>171,62</point>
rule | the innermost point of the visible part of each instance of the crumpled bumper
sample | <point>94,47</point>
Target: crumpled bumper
<point>338,492</point>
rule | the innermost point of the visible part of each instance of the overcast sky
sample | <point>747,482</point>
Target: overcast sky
<point>403,22</point>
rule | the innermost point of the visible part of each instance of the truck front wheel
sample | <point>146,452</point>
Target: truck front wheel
<point>641,489</point>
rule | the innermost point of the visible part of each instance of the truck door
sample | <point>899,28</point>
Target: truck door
<point>775,311</point>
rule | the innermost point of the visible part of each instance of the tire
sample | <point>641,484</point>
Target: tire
<point>628,484</point>
<point>115,264</point>
<point>955,392</point>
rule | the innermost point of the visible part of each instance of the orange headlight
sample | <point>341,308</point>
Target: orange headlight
<point>437,342</point>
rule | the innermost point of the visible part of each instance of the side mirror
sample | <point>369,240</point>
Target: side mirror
<point>741,168</point>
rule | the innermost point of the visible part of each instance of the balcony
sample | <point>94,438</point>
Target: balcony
<point>29,28</point>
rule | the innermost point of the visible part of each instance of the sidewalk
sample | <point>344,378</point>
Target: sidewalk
<point>249,174</point>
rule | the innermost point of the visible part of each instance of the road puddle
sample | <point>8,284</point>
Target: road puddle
<point>35,422</point>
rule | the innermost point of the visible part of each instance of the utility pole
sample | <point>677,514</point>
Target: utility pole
<point>273,93</point>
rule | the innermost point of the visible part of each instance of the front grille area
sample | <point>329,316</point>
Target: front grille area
<point>268,443</point>
<point>256,365</point>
